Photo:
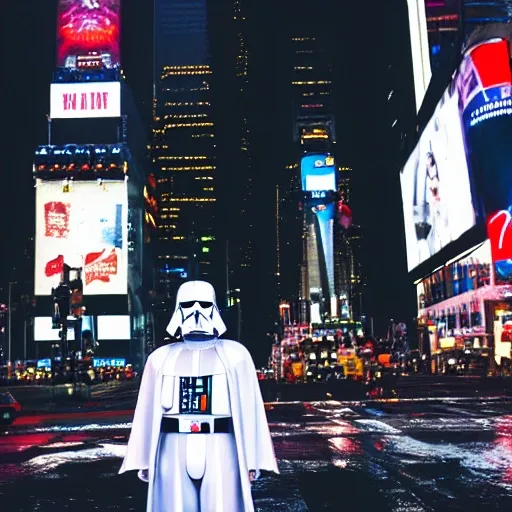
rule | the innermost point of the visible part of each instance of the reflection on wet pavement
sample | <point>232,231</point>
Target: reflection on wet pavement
<point>397,456</point>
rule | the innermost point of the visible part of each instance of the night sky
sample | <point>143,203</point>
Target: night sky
<point>28,32</point>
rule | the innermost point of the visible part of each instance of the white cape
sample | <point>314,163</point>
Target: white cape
<point>252,435</point>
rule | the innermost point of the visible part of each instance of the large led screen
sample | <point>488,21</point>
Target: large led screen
<point>470,272</point>
<point>436,185</point>
<point>114,327</point>
<point>419,48</point>
<point>318,173</point>
<point>82,225</point>
<point>486,103</point>
<point>88,27</point>
<point>44,331</point>
<point>325,218</point>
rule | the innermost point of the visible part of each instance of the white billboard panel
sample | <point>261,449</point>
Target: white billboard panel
<point>43,330</point>
<point>419,49</point>
<point>85,227</point>
<point>114,327</point>
<point>85,100</point>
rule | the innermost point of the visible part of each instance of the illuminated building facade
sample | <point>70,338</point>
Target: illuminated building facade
<point>88,179</point>
<point>313,119</point>
<point>348,257</point>
<point>183,147</point>
<point>443,27</point>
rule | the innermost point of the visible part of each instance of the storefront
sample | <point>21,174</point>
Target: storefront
<point>462,312</point>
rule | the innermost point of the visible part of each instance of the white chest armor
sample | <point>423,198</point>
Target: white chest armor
<point>196,363</point>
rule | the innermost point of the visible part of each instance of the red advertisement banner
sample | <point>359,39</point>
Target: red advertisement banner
<point>56,219</point>
<point>54,267</point>
<point>99,266</point>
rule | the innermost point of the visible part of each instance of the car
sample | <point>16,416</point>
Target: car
<point>9,408</point>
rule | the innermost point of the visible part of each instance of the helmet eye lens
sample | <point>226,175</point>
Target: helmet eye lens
<point>190,304</point>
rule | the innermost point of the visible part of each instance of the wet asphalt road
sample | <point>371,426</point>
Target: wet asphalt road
<point>407,455</point>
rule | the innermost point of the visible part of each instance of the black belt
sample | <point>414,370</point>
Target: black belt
<point>220,426</point>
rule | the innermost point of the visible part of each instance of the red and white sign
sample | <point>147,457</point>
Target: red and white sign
<point>100,266</point>
<point>84,100</point>
<point>499,231</point>
<point>82,226</point>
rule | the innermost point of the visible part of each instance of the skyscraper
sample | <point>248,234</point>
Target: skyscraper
<point>183,147</point>
<point>238,167</point>
<point>88,186</point>
<point>317,262</point>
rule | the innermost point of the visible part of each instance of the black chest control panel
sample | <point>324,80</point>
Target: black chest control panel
<point>196,395</point>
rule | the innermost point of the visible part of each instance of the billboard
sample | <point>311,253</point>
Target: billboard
<point>88,28</point>
<point>486,105</point>
<point>82,225</point>
<point>325,214</point>
<point>85,100</point>
<point>116,362</point>
<point>318,173</point>
<point>318,177</point>
<point>470,271</point>
<point>419,49</point>
<point>114,327</point>
<point>437,189</point>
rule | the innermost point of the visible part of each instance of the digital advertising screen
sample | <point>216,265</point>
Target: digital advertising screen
<point>88,27</point>
<point>419,48</point>
<point>471,271</point>
<point>116,362</point>
<point>114,327</point>
<point>325,215</point>
<point>44,331</point>
<point>437,189</point>
<point>177,272</point>
<point>318,173</point>
<point>486,106</point>
<point>82,225</point>
<point>499,231</point>
<point>85,100</point>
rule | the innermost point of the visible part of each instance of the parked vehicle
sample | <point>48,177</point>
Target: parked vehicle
<point>9,408</point>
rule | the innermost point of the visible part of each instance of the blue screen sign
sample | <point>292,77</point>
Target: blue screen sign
<point>101,363</point>
<point>318,173</point>
<point>44,363</point>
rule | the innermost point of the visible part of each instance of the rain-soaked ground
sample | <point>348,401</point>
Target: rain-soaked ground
<point>407,455</point>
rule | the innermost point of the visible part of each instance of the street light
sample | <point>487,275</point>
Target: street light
<point>10,318</point>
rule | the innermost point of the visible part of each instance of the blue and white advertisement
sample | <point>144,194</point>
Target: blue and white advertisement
<point>318,173</point>
<point>318,177</point>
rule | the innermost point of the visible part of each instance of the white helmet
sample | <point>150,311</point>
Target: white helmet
<point>196,310</point>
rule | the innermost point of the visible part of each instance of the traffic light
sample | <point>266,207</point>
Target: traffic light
<point>77,296</point>
<point>61,304</point>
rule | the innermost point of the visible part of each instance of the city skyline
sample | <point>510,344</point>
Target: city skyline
<point>262,189</point>
<point>339,173</point>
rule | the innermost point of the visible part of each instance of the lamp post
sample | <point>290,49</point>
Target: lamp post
<point>10,320</point>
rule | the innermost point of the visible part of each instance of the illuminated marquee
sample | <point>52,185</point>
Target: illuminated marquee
<point>85,100</point>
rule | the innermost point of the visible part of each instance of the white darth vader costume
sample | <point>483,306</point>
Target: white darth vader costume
<point>200,425</point>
